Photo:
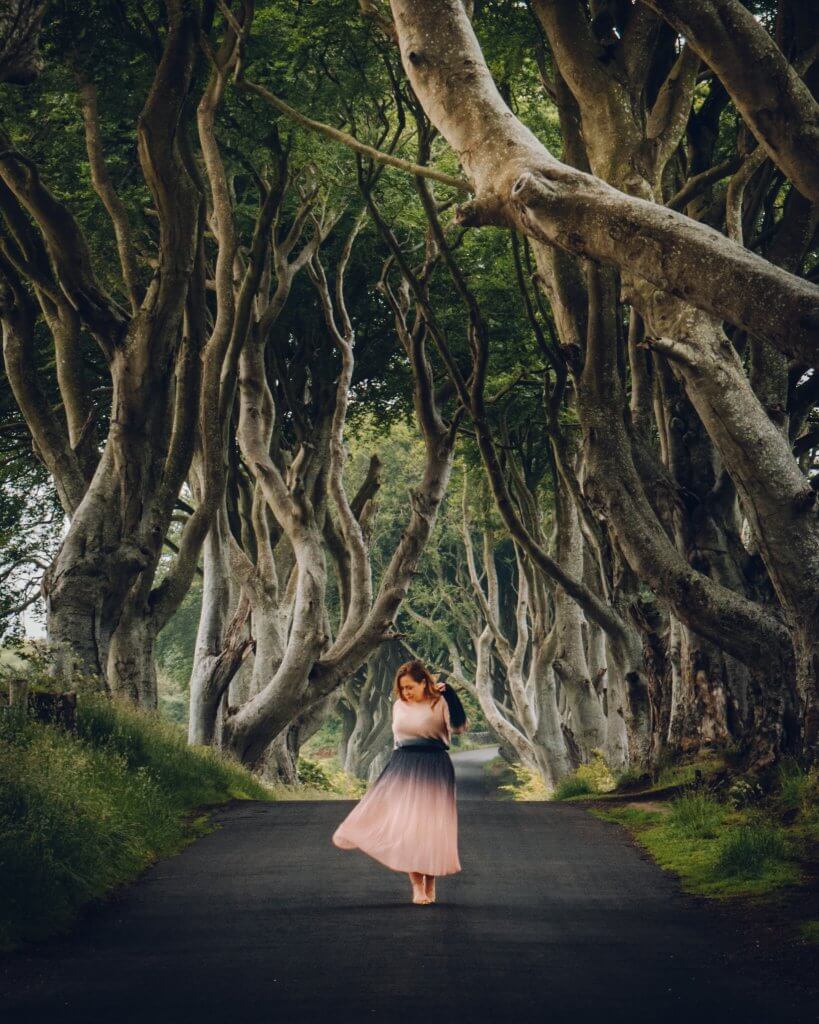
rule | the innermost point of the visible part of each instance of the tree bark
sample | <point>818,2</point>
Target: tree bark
<point>519,183</point>
<point>768,91</point>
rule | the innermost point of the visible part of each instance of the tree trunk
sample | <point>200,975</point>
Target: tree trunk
<point>372,732</point>
<point>549,741</point>
<point>86,586</point>
<point>131,664</point>
<point>208,677</point>
<point>347,715</point>
<point>587,721</point>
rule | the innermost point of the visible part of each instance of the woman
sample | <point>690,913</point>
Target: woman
<point>408,818</point>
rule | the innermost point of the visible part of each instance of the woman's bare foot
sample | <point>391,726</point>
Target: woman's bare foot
<point>419,894</point>
<point>429,887</point>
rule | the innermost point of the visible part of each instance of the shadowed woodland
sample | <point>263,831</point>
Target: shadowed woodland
<point>488,335</point>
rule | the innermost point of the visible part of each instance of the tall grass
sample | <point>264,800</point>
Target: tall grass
<point>695,815</point>
<point>188,775</point>
<point>748,849</point>
<point>797,787</point>
<point>81,813</point>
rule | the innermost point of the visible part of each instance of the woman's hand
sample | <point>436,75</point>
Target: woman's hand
<point>440,687</point>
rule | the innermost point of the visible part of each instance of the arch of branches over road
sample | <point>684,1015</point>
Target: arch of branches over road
<point>572,244</point>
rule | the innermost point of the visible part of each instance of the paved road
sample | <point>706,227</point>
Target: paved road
<point>555,918</point>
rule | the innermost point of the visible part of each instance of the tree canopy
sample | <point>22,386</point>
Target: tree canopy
<point>487,330</point>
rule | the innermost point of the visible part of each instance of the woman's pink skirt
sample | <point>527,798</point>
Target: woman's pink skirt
<point>408,818</point>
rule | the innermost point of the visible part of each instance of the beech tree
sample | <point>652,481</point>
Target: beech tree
<point>120,500</point>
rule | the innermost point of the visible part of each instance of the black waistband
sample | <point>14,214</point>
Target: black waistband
<point>423,743</point>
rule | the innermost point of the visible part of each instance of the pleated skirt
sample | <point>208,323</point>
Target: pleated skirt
<point>408,818</point>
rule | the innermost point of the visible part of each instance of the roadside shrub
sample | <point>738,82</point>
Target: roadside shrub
<point>744,793</point>
<point>597,773</point>
<point>528,785</point>
<point>593,777</point>
<point>324,778</point>
<point>312,774</point>
<point>572,785</point>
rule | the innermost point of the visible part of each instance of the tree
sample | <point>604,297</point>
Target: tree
<point>103,612</point>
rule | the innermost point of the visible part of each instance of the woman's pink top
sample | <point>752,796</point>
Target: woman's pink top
<point>411,719</point>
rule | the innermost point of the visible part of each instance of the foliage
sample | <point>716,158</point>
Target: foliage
<point>798,789</point>
<point>81,813</point>
<point>592,777</point>
<point>597,772</point>
<point>528,785</point>
<point>572,786</point>
<point>326,779</point>
<point>744,792</point>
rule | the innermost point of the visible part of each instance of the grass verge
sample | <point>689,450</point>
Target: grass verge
<point>81,813</point>
<point>740,845</point>
<point>744,856</point>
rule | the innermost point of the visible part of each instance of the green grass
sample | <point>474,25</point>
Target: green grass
<point>716,850</point>
<point>810,931</point>
<point>798,789</point>
<point>747,850</point>
<point>695,816</point>
<point>80,814</point>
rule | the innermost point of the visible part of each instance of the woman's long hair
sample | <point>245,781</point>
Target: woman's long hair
<point>416,670</point>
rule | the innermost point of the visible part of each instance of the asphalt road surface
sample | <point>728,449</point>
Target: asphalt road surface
<point>555,917</point>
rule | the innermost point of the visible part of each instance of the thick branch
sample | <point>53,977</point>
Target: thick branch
<point>519,182</point>
<point>105,190</point>
<point>700,182</point>
<point>67,248</point>
<point>772,98</point>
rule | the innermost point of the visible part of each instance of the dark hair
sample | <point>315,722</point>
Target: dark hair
<point>416,670</point>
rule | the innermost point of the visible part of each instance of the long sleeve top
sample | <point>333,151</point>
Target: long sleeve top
<point>429,719</point>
